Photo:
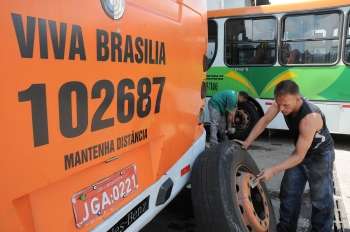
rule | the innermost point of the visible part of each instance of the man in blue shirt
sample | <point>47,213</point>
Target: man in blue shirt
<point>221,104</point>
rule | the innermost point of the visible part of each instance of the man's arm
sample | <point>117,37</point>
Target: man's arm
<point>260,126</point>
<point>231,117</point>
<point>307,129</point>
<point>231,108</point>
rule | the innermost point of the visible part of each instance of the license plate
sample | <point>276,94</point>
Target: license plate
<point>93,201</point>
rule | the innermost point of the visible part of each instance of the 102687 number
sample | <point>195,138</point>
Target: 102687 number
<point>127,104</point>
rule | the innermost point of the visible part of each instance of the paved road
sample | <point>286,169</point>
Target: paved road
<point>268,150</point>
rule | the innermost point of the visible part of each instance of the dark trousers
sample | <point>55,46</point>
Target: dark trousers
<point>217,125</point>
<point>317,169</point>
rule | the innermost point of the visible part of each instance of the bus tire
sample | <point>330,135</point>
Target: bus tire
<point>251,114</point>
<point>216,187</point>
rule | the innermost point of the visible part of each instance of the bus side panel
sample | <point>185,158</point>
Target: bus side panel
<point>261,81</point>
<point>325,86</point>
<point>58,71</point>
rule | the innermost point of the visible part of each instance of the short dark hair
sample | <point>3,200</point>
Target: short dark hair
<point>243,94</point>
<point>286,87</point>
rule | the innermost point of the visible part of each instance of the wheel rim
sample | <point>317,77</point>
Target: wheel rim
<point>242,116</point>
<point>252,202</point>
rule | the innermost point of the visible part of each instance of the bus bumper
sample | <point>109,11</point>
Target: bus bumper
<point>179,179</point>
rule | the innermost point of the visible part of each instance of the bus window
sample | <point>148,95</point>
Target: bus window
<point>250,41</point>
<point>310,39</point>
<point>212,42</point>
<point>347,45</point>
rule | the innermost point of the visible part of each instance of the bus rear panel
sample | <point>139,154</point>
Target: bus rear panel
<point>92,117</point>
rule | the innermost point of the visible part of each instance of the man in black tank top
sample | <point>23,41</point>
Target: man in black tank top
<point>312,159</point>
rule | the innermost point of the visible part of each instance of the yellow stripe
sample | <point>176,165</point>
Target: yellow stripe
<point>287,75</point>
<point>243,80</point>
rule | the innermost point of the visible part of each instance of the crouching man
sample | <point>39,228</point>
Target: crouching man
<point>222,109</point>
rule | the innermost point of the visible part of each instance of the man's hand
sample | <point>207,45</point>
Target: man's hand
<point>244,144</point>
<point>266,175</point>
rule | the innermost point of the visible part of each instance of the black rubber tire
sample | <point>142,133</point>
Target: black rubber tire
<point>254,117</point>
<point>213,184</point>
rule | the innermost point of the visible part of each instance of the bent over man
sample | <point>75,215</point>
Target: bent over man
<point>222,108</point>
<point>311,160</point>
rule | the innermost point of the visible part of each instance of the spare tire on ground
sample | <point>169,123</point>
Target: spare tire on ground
<point>222,199</point>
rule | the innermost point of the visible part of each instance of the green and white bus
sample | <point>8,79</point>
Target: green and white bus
<point>254,48</point>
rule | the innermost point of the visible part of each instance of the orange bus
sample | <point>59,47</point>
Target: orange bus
<point>97,134</point>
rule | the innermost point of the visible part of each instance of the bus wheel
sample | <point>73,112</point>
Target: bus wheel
<point>246,117</point>
<point>221,195</point>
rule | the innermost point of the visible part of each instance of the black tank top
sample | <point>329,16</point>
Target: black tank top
<point>322,140</point>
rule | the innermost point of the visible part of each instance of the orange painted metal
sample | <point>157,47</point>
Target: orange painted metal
<point>37,187</point>
<point>278,8</point>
